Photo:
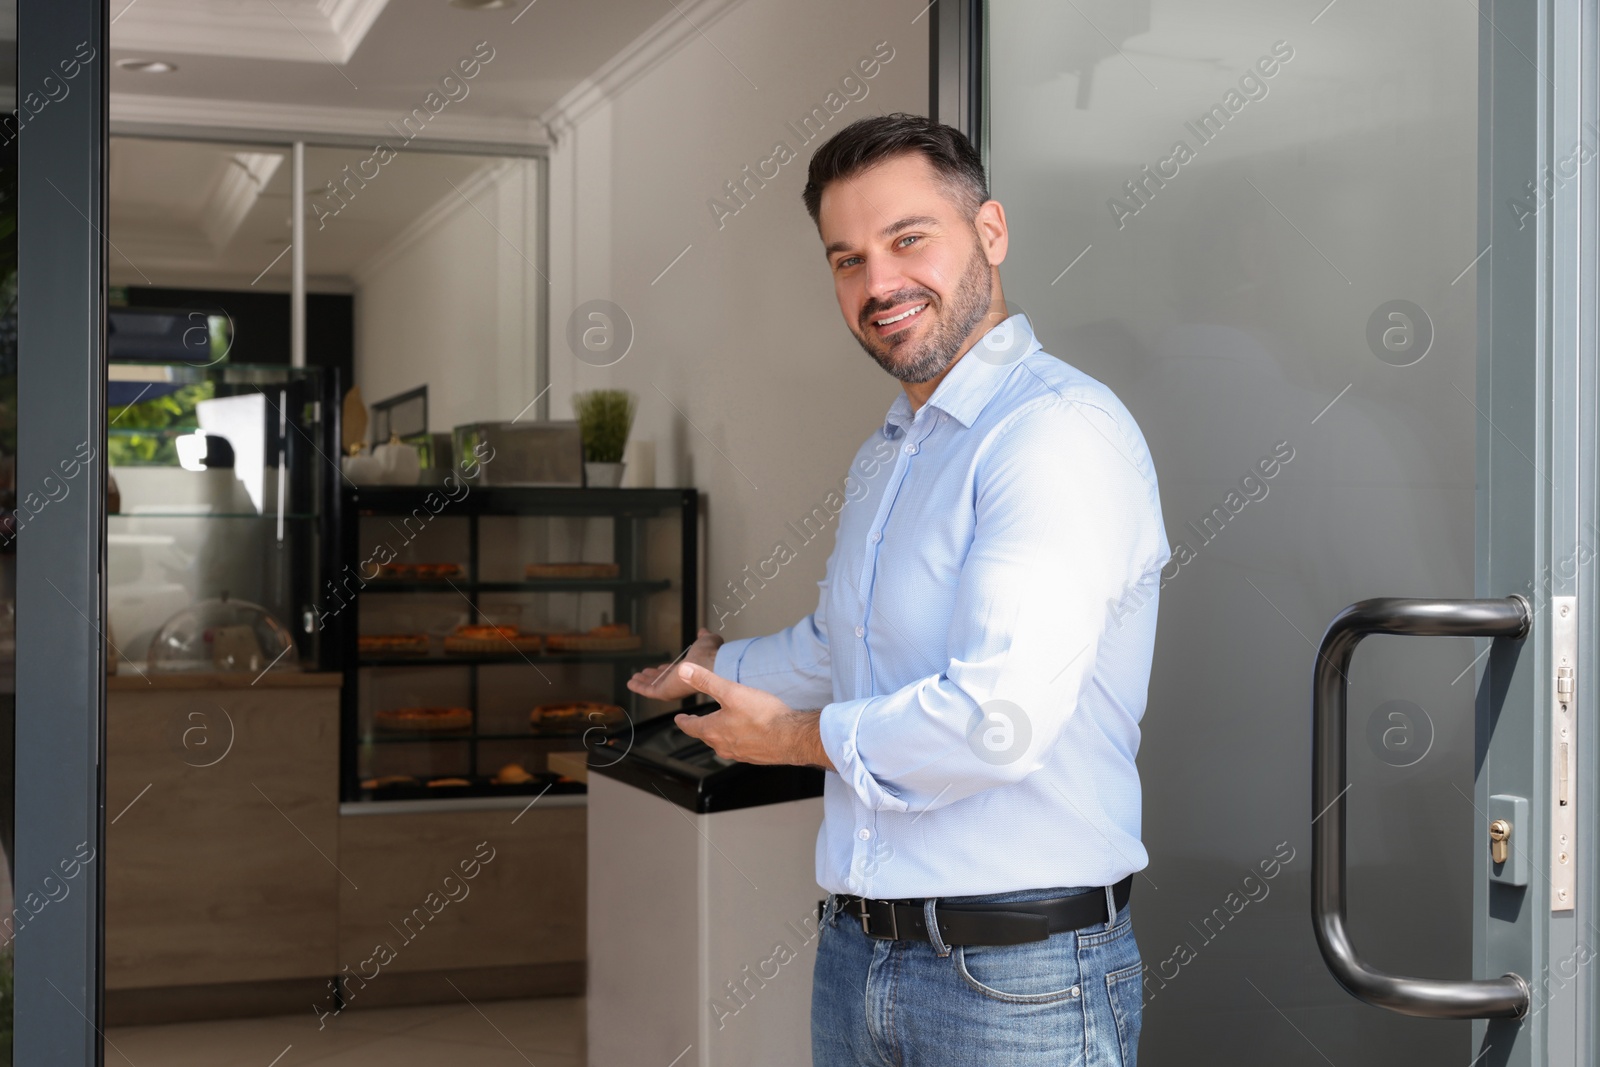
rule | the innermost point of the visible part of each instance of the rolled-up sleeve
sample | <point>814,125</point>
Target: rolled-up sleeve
<point>791,664</point>
<point>1067,521</point>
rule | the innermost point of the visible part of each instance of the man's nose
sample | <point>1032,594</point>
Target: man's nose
<point>884,277</point>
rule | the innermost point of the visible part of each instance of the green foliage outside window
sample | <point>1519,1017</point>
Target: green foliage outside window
<point>164,418</point>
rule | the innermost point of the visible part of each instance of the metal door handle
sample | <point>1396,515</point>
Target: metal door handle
<point>1487,998</point>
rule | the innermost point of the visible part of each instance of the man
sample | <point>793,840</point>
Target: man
<point>977,665</point>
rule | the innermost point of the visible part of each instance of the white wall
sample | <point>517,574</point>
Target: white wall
<point>742,335</point>
<point>451,303</point>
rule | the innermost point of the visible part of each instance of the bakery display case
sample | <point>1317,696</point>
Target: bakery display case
<point>223,514</point>
<point>486,627</point>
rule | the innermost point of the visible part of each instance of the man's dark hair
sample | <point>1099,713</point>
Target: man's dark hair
<point>870,141</point>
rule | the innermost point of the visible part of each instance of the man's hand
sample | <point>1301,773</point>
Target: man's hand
<point>753,726</point>
<point>663,683</point>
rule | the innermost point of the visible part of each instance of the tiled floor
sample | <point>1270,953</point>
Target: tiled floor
<point>513,1033</point>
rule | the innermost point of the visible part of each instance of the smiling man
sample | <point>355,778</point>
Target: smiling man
<point>975,671</point>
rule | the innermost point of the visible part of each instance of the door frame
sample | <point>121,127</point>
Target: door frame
<point>61,598</point>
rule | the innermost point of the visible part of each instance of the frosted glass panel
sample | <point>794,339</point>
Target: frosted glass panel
<point>1258,225</point>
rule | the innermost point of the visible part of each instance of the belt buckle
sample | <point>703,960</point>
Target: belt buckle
<point>865,916</point>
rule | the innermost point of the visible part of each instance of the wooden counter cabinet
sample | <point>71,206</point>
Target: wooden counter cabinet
<point>223,825</point>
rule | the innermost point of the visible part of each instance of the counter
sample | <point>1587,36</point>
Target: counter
<point>220,794</point>
<point>235,886</point>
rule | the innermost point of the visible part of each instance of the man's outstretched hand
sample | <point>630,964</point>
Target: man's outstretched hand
<point>664,683</point>
<point>753,726</point>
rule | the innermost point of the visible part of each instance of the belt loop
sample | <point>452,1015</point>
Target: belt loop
<point>930,919</point>
<point>1111,906</point>
<point>828,914</point>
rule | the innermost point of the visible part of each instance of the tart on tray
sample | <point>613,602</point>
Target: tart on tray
<point>392,644</point>
<point>535,571</point>
<point>418,572</point>
<point>423,719</point>
<point>611,637</point>
<point>486,639</point>
<point>575,713</point>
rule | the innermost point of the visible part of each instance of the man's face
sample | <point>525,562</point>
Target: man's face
<point>913,274</point>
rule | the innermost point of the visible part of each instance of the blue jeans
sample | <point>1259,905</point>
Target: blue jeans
<point>1075,998</point>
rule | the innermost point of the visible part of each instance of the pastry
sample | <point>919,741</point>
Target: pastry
<point>512,774</point>
<point>419,572</point>
<point>393,644</point>
<point>535,571</point>
<point>423,720</point>
<point>576,713</point>
<point>386,780</point>
<point>441,782</point>
<point>485,639</point>
<point>612,637</point>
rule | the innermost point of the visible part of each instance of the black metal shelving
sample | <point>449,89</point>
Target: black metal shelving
<point>630,512</point>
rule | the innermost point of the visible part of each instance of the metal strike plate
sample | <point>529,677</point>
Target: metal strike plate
<point>1563,752</point>
<point>1512,811</point>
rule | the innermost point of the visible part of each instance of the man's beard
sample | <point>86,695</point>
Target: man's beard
<point>966,309</point>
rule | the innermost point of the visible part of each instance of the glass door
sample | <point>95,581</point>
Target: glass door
<point>1301,245</point>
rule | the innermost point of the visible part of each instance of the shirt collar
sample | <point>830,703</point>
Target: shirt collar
<point>969,386</point>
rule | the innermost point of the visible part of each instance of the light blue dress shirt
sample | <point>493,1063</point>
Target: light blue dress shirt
<point>981,647</point>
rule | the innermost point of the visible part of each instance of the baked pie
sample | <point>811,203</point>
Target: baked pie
<point>576,713</point>
<point>486,639</point>
<point>534,571</point>
<point>611,637</point>
<point>419,572</point>
<point>393,644</point>
<point>423,720</point>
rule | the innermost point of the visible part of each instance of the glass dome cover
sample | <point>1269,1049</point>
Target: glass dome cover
<point>222,634</point>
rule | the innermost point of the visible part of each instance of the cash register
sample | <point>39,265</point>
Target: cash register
<point>656,755</point>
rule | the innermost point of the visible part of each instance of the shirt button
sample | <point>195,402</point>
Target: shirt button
<point>864,834</point>
<point>861,631</point>
<point>876,537</point>
<point>911,450</point>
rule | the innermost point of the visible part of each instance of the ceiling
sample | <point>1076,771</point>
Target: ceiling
<point>306,30</point>
<point>194,214</point>
<point>187,213</point>
<point>371,55</point>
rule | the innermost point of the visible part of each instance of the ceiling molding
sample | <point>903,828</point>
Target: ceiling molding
<point>226,281</point>
<point>683,26</point>
<point>238,187</point>
<point>443,210</point>
<point>686,24</point>
<point>304,31</point>
<point>309,120</point>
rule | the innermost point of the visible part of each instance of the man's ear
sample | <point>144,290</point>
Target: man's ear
<point>990,222</point>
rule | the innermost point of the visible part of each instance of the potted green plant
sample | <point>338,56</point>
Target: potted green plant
<point>605,417</point>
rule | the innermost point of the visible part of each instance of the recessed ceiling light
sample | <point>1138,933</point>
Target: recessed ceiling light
<point>147,66</point>
<point>480,5</point>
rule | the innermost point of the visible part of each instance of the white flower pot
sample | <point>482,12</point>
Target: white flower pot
<point>603,475</point>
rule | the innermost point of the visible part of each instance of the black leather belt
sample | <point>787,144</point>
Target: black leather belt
<point>1006,923</point>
